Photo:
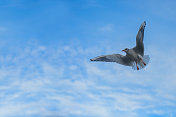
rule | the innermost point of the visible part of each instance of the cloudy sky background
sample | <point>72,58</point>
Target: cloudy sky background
<point>45,47</point>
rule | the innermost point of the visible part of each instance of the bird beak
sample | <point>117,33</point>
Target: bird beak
<point>123,50</point>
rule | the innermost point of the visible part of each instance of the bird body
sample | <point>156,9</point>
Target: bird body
<point>134,57</point>
<point>132,54</point>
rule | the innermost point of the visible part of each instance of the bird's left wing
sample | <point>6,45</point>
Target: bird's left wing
<point>124,60</point>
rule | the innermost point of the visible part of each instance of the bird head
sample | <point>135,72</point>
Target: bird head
<point>126,50</point>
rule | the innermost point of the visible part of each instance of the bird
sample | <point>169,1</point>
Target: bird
<point>134,56</point>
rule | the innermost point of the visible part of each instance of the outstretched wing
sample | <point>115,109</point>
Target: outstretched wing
<point>139,48</point>
<point>124,60</point>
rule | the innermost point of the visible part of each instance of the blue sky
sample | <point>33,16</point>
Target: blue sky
<point>46,45</point>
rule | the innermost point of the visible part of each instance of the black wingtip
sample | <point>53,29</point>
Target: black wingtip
<point>145,23</point>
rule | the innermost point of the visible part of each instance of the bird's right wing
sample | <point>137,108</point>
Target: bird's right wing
<point>139,48</point>
<point>124,60</point>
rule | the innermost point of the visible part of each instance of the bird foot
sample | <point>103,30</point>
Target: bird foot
<point>144,64</point>
<point>137,68</point>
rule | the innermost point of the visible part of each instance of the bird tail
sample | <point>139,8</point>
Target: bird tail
<point>146,59</point>
<point>141,64</point>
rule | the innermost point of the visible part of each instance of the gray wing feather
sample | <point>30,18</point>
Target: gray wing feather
<point>124,60</point>
<point>139,48</point>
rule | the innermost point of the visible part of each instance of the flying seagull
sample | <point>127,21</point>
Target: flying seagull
<point>134,57</point>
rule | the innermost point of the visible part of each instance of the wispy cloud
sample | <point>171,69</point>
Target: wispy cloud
<point>62,82</point>
<point>108,27</point>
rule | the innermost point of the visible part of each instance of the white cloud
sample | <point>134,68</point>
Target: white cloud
<point>108,27</point>
<point>37,82</point>
<point>73,67</point>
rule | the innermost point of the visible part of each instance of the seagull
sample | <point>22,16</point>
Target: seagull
<point>134,57</point>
